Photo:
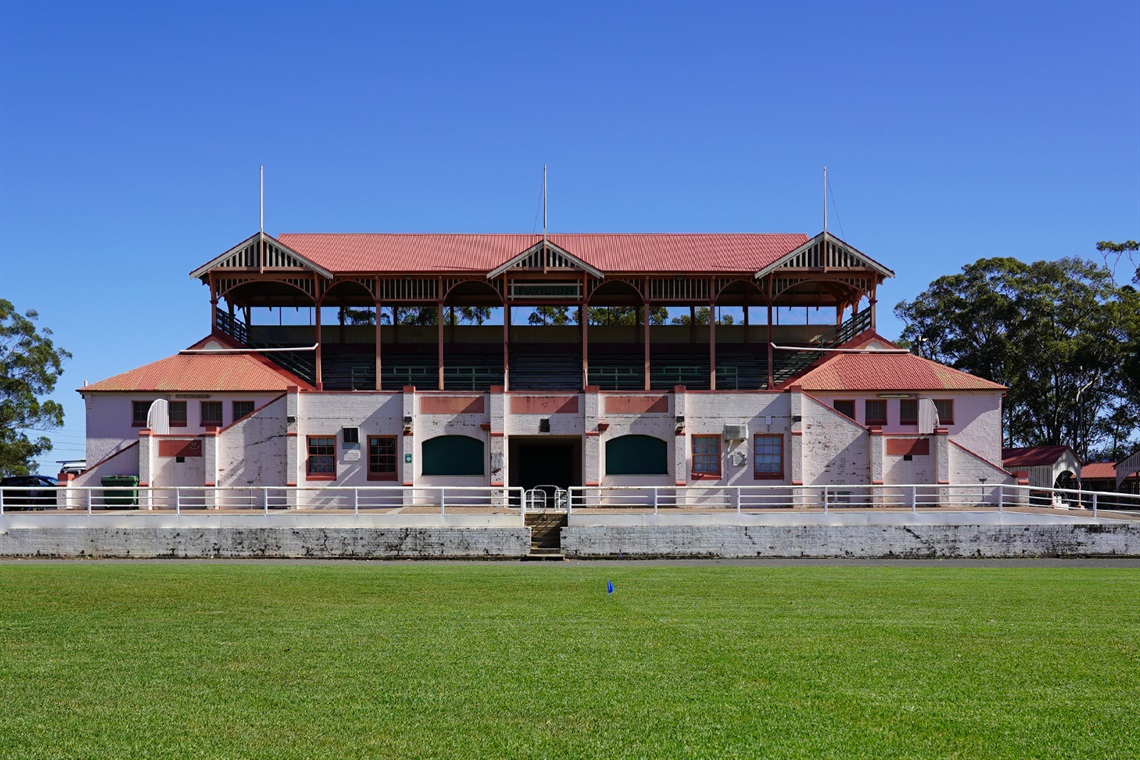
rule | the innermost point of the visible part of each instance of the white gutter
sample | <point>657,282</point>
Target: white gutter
<point>842,350</point>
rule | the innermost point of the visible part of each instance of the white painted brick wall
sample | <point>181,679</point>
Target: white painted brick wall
<point>853,542</point>
<point>835,450</point>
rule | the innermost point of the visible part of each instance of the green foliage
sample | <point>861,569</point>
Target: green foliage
<point>625,316</point>
<point>387,660</point>
<point>1115,253</point>
<point>553,315</point>
<point>701,317</point>
<point>429,315</point>
<point>1060,334</point>
<point>30,364</point>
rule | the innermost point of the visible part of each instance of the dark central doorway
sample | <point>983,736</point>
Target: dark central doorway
<point>545,461</point>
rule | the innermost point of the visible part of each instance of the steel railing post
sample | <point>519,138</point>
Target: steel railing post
<point>443,500</point>
<point>356,502</point>
<point>914,499</point>
<point>825,500</point>
<point>265,500</point>
<point>655,500</point>
<point>1094,504</point>
<point>88,492</point>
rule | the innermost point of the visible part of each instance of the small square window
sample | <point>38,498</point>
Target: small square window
<point>139,410</point>
<point>844,407</point>
<point>211,413</point>
<point>945,408</point>
<point>351,435</point>
<point>875,412</point>
<point>176,411</point>
<point>242,409</point>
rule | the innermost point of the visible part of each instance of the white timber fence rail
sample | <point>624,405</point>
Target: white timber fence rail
<point>268,500</point>
<point>909,497</point>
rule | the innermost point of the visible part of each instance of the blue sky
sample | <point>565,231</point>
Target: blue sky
<point>131,134</point>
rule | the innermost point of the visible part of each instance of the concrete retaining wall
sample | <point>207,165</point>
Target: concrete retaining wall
<point>854,541</point>
<point>266,542</point>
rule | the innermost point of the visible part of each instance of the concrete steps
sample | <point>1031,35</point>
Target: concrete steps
<point>546,536</point>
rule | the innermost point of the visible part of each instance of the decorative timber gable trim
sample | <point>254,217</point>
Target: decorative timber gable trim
<point>545,256</point>
<point>260,253</point>
<point>825,251</point>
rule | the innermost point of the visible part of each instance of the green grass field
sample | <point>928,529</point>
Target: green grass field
<point>531,660</point>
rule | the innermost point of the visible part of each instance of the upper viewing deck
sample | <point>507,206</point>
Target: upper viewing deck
<point>619,311</point>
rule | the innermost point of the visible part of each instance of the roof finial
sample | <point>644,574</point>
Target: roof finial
<point>261,227</point>
<point>544,205</point>
<point>825,198</point>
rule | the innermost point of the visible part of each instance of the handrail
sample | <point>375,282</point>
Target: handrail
<point>268,500</point>
<point>94,500</point>
<point>906,496</point>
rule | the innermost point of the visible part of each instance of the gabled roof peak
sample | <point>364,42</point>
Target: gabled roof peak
<point>825,251</point>
<point>261,251</point>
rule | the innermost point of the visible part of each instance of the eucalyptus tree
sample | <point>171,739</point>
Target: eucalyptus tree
<point>1062,335</point>
<point>30,365</point>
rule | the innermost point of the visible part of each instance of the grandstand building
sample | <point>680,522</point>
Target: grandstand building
<point>525,360</point>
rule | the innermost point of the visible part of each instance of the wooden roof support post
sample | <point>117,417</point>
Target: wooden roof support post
<point>872,301</point>
<point>506,345</point>
<point>771,353</point>
<point>712,336</point>
<point>317,379</point>
<point>584,327</point>
<point>379,335</point>
<point>645,328</point>
<point>439,343</point>
<point>213,305</point>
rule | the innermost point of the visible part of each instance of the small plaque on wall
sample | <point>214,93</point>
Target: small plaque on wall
<point>352,455</point>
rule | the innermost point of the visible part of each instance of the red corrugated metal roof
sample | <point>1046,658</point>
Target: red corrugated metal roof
<point>1033,456</point>
<point>201,372</point>
<point>609,252</point>
<point>889,372</point>
<point>1099,471</point>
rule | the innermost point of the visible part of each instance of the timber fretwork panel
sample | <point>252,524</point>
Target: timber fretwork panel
<point>545,257</point>
<point>680,289</point>
<point>248,257</point>
<point>224,285</point>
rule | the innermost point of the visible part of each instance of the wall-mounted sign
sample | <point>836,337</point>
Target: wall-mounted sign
<point>568,290</point>
<point>191,395</point>
<point>352,455</point>
<point>407,458</point>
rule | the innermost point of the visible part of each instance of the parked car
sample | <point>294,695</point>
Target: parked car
<point>41,491</point>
